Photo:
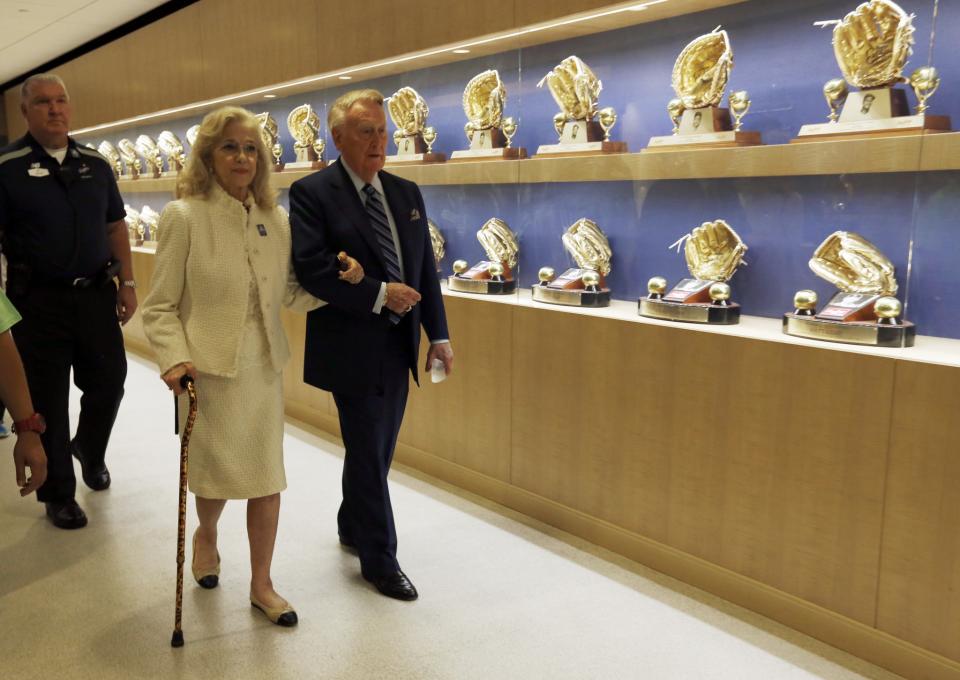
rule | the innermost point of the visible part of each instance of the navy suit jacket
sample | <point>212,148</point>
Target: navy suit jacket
<point>346,341</point>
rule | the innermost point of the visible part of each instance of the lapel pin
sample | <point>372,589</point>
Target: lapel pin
<point>414,215</point>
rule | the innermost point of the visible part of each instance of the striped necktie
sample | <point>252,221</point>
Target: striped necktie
<point>381,227</point>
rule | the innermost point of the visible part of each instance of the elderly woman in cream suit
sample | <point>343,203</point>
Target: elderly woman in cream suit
<point>223,272</point>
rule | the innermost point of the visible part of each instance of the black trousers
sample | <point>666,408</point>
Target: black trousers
<point>369,425</point>
<point>64,328</point>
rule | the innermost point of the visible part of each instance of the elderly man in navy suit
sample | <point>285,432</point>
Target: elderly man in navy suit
<point>363,344</point>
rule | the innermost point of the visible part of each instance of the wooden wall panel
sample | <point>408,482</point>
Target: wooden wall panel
<point>294,389</point>
<point>249,43</point>
<point>387,28</point>
<point>919,597</point>
<point>466,419</point>
<point>15,125</point>
<point>102,85</point>
<point>750,455</point>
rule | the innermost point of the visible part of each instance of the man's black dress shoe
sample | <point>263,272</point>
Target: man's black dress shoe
<point>395,585</point>
<point>66,515</point>
<point>97,478</point>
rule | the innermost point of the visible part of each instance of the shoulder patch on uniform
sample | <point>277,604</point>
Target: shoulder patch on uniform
<point>14,154</point>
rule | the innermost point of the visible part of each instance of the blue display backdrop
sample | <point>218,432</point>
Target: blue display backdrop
<point>782,59</point>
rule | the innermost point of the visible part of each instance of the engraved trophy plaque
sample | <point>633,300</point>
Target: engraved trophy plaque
<point>437,242</point>
<point>131,161</point>
<point>585,284</point>
<point>147,148</point>
<point>490,134</point>
<point>109,151</point>
<point>413,137</point>
<point>270,134</point>
<point>713,252</point>
<point>134,227</point>
<point>576,90</point>
<point>864,312</point>
<point>304,125</point>
<point>700,76</point>
<point>872,45</point>
<point>171,145</point>
<point>493,276</point>
<point>149,219</point>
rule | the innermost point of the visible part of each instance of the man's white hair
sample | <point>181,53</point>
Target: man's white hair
<point>40,78</point>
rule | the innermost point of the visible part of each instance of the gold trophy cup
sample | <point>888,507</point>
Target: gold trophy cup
<point>131,161</point>
<point>700,77</point>
<point>493,276</point>
<point>583,285</point>
<point>484,99</point>
<point>872,45</point>
<point>409,112</point>
<point>304,125</point>
<point>864,312</point>
<point>576,90</point>
<point>713,252</point>
<point>270,134</point>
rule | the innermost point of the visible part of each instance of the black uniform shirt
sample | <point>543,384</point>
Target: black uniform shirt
<point>54,217</point>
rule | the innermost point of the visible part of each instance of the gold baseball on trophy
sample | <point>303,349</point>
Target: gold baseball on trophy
<point>559,120</point>
<point>675,109</point>
<point>590,278</point>
<point>887,307</point>
<point>739,105</point>
<point>924,81</point>
<point>608,118</point>
<point>460,266</point>
<point>509,128</point>
<point>720,291</point>
<point>657,285</point>
<point>835,92</point>
<point>429,136</point>
<point>495,269</point>
<point>805,299</point>
<point>546,274</point>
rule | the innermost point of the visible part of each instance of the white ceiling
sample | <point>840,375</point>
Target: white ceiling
<point>32,32</point>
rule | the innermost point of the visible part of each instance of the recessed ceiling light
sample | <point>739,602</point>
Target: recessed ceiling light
<point>461,51</point>
<point>269,96</point>
<point>346,77</point>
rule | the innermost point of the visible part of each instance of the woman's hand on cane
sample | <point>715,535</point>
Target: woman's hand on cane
<point>350,270</point>
<point>172,377</point>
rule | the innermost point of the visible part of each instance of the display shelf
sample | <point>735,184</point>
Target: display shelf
<point>927,350</point>
<point>941,152</point>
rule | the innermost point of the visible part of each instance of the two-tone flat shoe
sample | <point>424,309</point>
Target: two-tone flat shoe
<point>284,615</point>
<point>206,578</point>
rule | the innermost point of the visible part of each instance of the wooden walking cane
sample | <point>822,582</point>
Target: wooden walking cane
<point>187,383</point>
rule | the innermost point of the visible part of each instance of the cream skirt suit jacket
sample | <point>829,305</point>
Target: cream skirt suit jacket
<point>223,272</point>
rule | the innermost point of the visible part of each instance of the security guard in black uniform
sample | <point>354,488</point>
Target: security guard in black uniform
<point>64,236</point>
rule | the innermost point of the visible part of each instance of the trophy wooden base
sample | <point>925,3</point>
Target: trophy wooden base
<point>871,333</point>
<point>305,165</point>
<point>709,140</point>
<point>149,244</point>
<point>691,312</point>
<point>416,159</point>
<point>501,154</point>
<point>128,177</point>
<point>573,297</point>
<point>918,124</point>
<point>170,173</point>
<point>581,149</point>
<point>482,286</point>
<point>278,167</point>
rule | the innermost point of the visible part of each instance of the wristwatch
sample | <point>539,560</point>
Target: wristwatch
<point>129,283</point>
<point>35,423</point>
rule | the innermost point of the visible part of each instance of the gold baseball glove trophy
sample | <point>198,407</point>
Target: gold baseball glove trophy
<point>134,227</point>
<point>131,161</point>
<point>872,45</point>
<point>171,145</point>
<point>700,77</point>
<point>270,134</point>
<point>864,312</point>
<point>489,133</point>
<point>147,147</point>
<point>192,133</point>
<point>713,252</point>
<point>493,276</point>
<point>576,90</point>
<point>304,125</point>
<point>109,151</point>
<point>413,137</point>
<point>150,220</point>
<point>584,285</point>
<point>437,242</point>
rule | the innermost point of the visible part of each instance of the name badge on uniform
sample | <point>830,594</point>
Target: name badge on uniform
<point>36,171</point>
<point>262,230</point>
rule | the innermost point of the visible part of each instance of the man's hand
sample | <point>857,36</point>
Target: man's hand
<point>126,304</point>
<point>401,298</point>
<point>172,377</point>
<point>442,351</point>
<point>28,453</point>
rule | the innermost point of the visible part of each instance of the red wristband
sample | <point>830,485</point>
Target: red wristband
<point>34,423</point>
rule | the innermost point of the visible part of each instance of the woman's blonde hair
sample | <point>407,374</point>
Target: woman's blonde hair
<point>197,177</point>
